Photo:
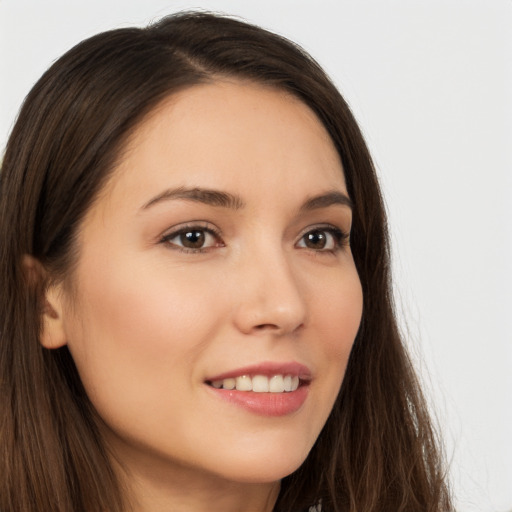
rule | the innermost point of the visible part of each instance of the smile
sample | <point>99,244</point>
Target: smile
<point>259,383</point>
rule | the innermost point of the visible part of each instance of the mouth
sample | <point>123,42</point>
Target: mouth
<point>268,389</point>
<point>278,383</point>
<point>265,390</point>
<point>267,377</point>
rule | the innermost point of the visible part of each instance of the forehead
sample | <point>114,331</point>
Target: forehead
<point>229,134</point>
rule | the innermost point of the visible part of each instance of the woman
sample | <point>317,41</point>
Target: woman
<point>196,310</point>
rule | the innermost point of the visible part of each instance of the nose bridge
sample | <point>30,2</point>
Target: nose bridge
<point>270,294</point>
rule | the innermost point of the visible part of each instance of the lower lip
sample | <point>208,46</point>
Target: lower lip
<point>265,404</point>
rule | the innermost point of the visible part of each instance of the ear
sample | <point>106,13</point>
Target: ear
<point>52,334</point>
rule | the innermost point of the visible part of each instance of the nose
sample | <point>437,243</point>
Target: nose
<point>269,298</point>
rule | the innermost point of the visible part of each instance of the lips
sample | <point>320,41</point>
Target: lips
<point>268,389</point>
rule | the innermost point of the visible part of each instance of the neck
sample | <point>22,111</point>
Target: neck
<point>208,495</point>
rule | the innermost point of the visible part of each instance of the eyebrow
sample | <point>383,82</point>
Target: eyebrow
<point>327,199</point>
<point>232,201</point>
<point>200,195</point>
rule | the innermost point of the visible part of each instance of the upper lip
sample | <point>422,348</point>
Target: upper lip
<point>268,369</point>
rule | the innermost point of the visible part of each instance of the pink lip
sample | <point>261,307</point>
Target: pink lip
<point>266,404</point>
<point>268,369</point>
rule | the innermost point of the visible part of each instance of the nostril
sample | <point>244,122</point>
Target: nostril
<point>262,327</point>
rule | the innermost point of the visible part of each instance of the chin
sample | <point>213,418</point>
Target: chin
<point>266,467</point>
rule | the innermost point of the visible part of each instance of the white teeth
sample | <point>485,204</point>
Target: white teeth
<point>229,383</point>
<point>276,384</point>
<point>244,383</point>
<point>259,383</point>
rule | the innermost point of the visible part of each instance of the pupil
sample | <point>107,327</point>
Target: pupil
<point>193,239</point>
<point>316,240</point>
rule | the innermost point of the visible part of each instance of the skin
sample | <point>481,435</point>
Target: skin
<point>147,322</point>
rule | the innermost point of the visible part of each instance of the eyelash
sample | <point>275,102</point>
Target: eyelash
<point>166,239</point>
<point>339,238</point>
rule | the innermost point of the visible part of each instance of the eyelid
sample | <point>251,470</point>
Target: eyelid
<point>340,235</point>
<point>191,226</point>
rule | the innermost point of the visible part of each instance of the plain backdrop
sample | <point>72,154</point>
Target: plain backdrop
<point>431,85</point>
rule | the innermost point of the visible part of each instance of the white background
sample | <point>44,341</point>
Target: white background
<point>431,85</point>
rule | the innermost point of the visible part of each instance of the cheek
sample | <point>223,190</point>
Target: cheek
<point>137,329</point>
<point>336,316</point>
<point>338,309</point>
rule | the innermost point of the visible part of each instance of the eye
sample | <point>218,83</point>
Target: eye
<point>327,239</point>
<point>192,239</point>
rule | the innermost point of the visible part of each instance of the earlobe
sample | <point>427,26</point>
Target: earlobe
<point>52,334</point>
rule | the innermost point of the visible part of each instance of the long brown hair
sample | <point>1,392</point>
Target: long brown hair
<point>377,451</point>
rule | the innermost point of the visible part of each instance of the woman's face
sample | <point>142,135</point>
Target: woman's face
<point>216,257</point>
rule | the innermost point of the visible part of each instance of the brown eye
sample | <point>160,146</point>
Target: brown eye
<point>328,239</point>
<point>315,239</point>
<point>193,239</point>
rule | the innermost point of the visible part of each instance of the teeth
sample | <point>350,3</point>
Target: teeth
<point>229,383</point>
<point>276,384</point>
<point>244,383</point>
<point>259,383</point>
